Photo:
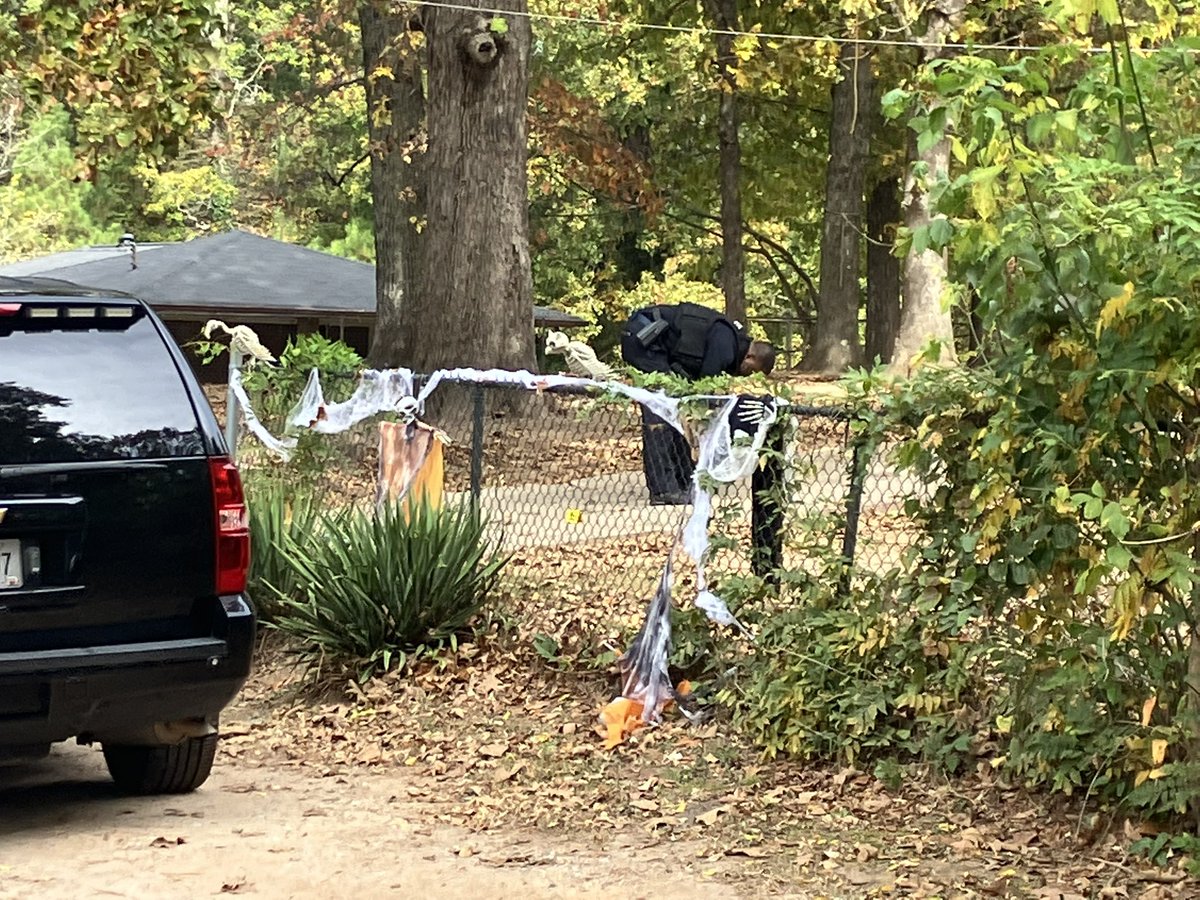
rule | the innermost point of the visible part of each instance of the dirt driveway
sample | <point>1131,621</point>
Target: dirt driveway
<point>283,832</point>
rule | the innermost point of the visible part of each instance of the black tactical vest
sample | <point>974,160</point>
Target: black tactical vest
<point>687,335</point>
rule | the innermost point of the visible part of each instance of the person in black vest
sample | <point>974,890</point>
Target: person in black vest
<point>695,342</point>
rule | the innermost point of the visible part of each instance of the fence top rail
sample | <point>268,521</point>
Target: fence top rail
<point>832,411</point>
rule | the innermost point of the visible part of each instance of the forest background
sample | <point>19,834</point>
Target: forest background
<point>732,153</point>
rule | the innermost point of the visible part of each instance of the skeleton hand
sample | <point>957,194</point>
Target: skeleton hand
<point>750,412</point>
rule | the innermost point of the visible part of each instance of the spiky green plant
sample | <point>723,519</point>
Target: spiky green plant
<point>278,509</point>
<point>382,582</point>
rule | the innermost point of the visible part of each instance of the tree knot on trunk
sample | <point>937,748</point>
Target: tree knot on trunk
<point>483,43</point>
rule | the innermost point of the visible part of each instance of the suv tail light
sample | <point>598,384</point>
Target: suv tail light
<point>232,526</point>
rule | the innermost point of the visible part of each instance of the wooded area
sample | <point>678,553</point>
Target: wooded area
<point>998,201</point>
<point>575,153</point>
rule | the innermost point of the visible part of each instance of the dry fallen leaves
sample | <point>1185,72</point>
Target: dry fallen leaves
<point>477,759</point>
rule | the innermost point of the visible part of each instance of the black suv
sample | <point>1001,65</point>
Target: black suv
<point>124,544</point>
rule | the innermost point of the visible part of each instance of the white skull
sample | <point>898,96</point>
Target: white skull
<point>556,342</point>
<point>407,409</point>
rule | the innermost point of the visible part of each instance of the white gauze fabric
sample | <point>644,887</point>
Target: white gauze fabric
<point>384,390</point>
<point>724,457</point>
<point>378,391</point>
<point>645,676</point>
<point>281,446</point>
<point>666,408</point>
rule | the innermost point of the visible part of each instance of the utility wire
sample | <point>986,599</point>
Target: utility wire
<point>777,36</point>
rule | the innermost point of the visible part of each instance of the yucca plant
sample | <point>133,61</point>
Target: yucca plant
<point>381,582</point>
<point>278,509</point>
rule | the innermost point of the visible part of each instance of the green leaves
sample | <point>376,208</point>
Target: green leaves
<point>283,514</point>
<point>934,236</point>
<point>135,75</point>
<point>896,103</point>
<point>378,583</point>
<point>1062,524</point>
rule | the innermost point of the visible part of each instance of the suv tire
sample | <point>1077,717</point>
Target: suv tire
<point>164,769</point>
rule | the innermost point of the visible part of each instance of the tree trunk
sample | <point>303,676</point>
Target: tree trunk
<point>925,317</point>
<point>724,14</point>
<point>835,345</point>
<point>1188,713</point>
<point>475,307</point>
<point>883,270</point>
<point>630,257</point>
<point>395,113</point>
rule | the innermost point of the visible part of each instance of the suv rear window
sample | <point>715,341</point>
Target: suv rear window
<point>79,390</point>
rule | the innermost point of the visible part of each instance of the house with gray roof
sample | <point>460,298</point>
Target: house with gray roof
<point>278,289</point>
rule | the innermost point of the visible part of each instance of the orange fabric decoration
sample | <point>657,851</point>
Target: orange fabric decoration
<point>622,717</point>
<point>411,463</point>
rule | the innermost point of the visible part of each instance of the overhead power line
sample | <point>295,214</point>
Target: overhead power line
<point>777,36</point>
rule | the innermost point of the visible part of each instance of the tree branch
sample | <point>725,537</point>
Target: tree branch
<point>340,180</point>
<point>766,245</point>
<point>786,285</point>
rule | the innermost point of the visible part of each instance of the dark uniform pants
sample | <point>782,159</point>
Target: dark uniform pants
<point>666,454</point>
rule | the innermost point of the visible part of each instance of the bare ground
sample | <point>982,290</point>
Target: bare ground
<point>478,775</point>
<point>265,830</point>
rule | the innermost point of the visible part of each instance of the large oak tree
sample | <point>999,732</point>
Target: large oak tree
<point>473,304</point>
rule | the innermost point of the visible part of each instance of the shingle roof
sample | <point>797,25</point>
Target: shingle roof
<point>234,269</point>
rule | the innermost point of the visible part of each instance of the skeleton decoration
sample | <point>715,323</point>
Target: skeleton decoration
<point>241,337</point>
<point>407,409</point>
<point>411,463</point>
<point>411,458</point>
<point>581,359</point>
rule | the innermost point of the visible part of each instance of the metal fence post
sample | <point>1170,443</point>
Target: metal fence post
<point>478,400</point>
<point>858,477</point>
<point>767,508</point>
<point>231,404</point>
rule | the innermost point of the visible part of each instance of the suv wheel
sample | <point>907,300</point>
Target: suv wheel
<point>164,769</point>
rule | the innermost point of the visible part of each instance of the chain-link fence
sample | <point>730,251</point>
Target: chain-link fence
<point>563,484</point>
<point>561,478</point>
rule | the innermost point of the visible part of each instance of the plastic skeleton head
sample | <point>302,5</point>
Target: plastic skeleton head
<point>556,342</point>
<point>407,409</point>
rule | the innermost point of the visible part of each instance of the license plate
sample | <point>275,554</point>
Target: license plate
<point>11,575</point>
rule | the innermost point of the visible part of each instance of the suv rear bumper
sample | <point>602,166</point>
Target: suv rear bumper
<point>52,695</point>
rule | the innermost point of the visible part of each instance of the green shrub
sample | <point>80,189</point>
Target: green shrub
<point>274,390</point>
<point>281,514</point>
<point>279,386</point>
<point>1096,716</point>
<point>382,582</point>
<point>859,676</point>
